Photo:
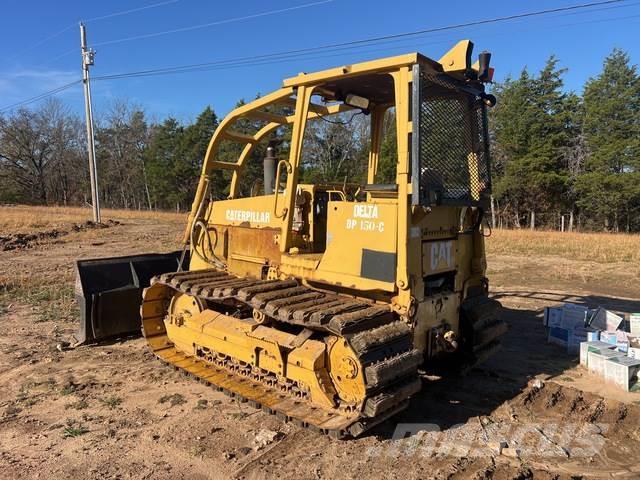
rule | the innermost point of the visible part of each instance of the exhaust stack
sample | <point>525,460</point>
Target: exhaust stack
<point>270,169</point>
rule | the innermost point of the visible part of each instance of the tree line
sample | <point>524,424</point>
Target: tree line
<point>558,157</point>
<point>557,154</point>
<point>141,164</point>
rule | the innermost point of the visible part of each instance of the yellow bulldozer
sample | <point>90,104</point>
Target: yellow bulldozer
<point>321,302</point>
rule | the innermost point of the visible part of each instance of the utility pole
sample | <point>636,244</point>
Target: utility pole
<point>87,61</point>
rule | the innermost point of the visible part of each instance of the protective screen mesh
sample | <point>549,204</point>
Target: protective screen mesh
<point>453,158</point>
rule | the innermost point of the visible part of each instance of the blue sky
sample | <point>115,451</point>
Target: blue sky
<point>40,43</point>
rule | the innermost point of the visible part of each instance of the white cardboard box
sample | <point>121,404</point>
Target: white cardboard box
<point>605,320</point>
<point>596,361</point>
<point>609,337</point>
<point>634,322</point>
<point>622,371</point>
<point>634,352</point>
<point>595,347</point>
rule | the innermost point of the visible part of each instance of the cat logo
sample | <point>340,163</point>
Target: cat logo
<point>441,256</point>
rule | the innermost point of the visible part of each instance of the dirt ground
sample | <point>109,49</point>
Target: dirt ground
<point>113,411</point>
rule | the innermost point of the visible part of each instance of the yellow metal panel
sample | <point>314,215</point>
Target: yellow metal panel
<point>272,335</point>
<point>153,308</point>
<point>309,356</point>
<point>351,228</point>
<point>224,165</point>
<point>303,99</point>
<point>402,82</point>
<point>439,256</point>
<point>373,66</point>
<point>266,116</point>
<point>434,311</point>
<point>254,212</point>
<point>238,136</point>
<point>458,58</point>
<point>213,145</point>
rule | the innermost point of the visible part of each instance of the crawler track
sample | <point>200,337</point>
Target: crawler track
<point>381,341</point>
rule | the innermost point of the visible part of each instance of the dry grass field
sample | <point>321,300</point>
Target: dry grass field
<point>112,411</point>
<point>31,219</point>
<point>595,247</point>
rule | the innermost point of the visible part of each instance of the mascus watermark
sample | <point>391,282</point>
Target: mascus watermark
<point>469,440</point>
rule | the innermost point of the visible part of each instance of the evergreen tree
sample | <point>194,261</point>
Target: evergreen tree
<point>193,148</point>
<point>610,188</point>
<point>174,159</point>
<point>534,125</point>
<point>162,156</point>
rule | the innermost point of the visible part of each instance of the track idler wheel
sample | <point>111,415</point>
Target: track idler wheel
<point>346,372</point>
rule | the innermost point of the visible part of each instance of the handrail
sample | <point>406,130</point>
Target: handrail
<point>277,188</point>
<point>340,193</point>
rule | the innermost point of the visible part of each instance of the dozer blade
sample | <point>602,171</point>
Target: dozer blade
<point>338,370</point>
<point>109,292</point>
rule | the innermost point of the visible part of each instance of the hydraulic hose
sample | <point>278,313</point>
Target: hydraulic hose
<point>200,224</point>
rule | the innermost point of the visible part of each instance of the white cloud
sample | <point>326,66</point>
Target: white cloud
<point>20,83</point>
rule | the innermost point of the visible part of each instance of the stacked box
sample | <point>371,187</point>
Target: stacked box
<point>622,371</point>
<point>634,352</point>
<point>634,322</point>
<point>609,337</point>
<point>573,316</point>
<point>596,361</point>
<point>576,337</point>
<point>559,336</point>
<point>634,348</point>
<point>622,336</point>
<point>593,336</point>
<point>605,320</point>
<point>595,347</point>
<point>552,316</point>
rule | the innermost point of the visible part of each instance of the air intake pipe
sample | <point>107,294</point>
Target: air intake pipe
<point>270,169</point>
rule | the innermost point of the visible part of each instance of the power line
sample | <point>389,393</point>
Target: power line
<point>132,10</point>
<point>40,42</point>
<point>231,20</point>
<point>194,27</point>
<point>294,54</point>
<point>432,30</point>
<point>288,59</point>
<point>343,45</point>
<point>211,24</point>
<point>41,96</point>
<point>94,19</point>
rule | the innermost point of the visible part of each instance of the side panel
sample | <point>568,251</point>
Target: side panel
<point>255,212</point>
<point>361,246</point>
<point>439,256</point>
<point>243,232</point>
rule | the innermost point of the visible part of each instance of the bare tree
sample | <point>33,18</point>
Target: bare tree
<point>575,156</point>
<point>122,138</point>
<point>33,147</point>
<point>335,149</point>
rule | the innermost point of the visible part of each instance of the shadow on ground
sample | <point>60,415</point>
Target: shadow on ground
<point>525,354</point>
